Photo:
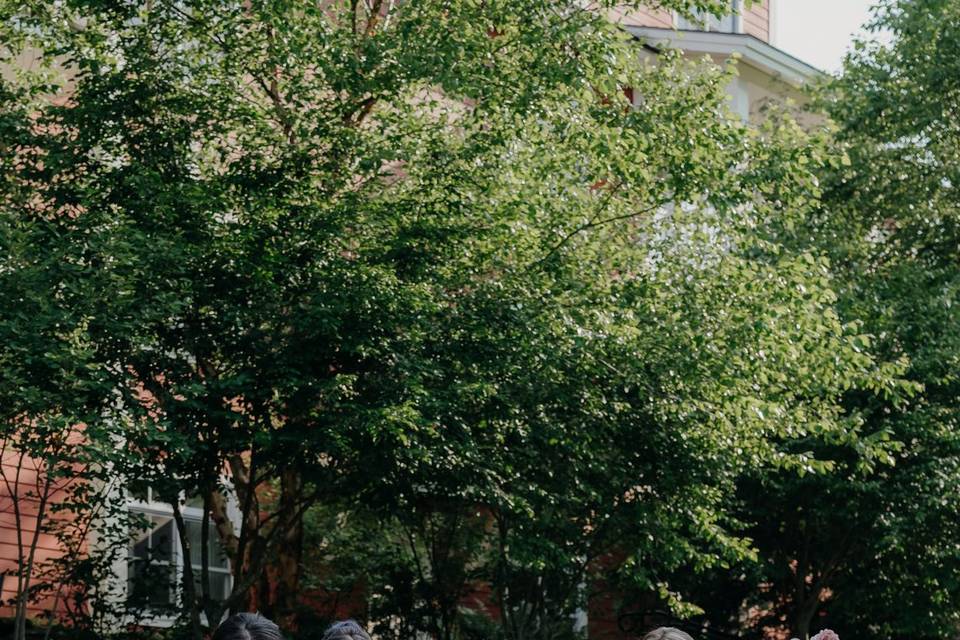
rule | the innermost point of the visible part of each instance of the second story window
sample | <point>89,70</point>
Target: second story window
<point>704,21</point>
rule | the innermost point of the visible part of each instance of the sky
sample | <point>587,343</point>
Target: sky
<point>819,31</point>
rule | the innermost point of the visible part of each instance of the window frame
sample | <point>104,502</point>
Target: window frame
<point>731,22</point>
<point>153,507</point>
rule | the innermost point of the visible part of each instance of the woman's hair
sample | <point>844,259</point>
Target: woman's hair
<point>345,630</point>
<point>667,633</point>
<point>247,626</point>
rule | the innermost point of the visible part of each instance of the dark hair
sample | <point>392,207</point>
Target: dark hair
<point>345,630</point>
<point>247,626</point>
<point>667,633</point>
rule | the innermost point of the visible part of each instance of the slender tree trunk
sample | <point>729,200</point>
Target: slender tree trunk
<point>189,589</point>
<point>210,607</point>
<point>14,491</point>
<point>290,551</point>
<point>26,554</point>
<point>502,578</point>
<point>805,612</point>
<point>23,596</point>
<point>240,548</point>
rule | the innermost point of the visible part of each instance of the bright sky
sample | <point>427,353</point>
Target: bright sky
<point>819,31</point>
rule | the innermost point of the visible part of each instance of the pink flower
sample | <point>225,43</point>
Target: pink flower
<point>826,634</point>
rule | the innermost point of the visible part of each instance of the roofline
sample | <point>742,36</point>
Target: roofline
<point>752,51</point>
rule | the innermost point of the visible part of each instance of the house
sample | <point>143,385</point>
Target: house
<point>765,74</point>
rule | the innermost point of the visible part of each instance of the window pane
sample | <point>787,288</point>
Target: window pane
<point>140,545</point>
<point>194,501</point>
<point>155,542</point>
<point>149,573</point>
<point>154,564</point>
<point>150,585</point>
<point>705,21</point>
<point>193,536</point>
<point>161,538</point>
<point>217,558</point>
<point>219,584</point>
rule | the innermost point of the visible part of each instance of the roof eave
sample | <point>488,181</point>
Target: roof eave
<point>752,51</point>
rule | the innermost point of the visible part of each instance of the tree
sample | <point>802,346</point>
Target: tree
<point>870,550</point>
<point>359,249</point>
<point>895,107</point>
<point>57,426</point>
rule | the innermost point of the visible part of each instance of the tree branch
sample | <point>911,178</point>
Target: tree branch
<point>594,223</point>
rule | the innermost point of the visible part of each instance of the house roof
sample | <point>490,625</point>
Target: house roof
<point>752,51</point>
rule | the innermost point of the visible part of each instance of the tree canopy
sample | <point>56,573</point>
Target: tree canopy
<point>870,550</point>
<point>423,264</point>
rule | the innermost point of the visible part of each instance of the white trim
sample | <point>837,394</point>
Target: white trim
<point>581,616</point>
<point>731,22</point>
<point>773,25</point>
<point>194,514</point>
<point>739,98</point>
<point>752,51</point>
<point>116,585</point>
<point>708,22</point>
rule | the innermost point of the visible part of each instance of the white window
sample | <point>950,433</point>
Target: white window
<point>704,21</point>
<point>155,560</point>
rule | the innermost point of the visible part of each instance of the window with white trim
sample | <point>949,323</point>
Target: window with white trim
<point>155,561</point>
<point>704,21</point>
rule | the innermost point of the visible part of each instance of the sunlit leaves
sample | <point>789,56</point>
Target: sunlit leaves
<point>433,260</point>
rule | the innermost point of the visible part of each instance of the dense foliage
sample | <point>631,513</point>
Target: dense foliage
<point>414,289</point>
<point>871,550</point>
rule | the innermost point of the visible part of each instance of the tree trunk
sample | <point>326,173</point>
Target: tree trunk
<point>189,589</point>
<point>23,599</point>
<point>289,554</point>
<point>210,607</point>
<point>803,618</point>
<point>25,572</point>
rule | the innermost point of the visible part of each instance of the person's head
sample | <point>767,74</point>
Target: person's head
<point>345,630</point>
<point>247,626</point>
<point>667,633</point>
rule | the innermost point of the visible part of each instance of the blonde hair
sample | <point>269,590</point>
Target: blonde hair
<point>667,633</point>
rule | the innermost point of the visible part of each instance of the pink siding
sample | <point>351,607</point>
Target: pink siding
<point>756,20</point>
<point>48,547</point>
<point>642,17</point>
